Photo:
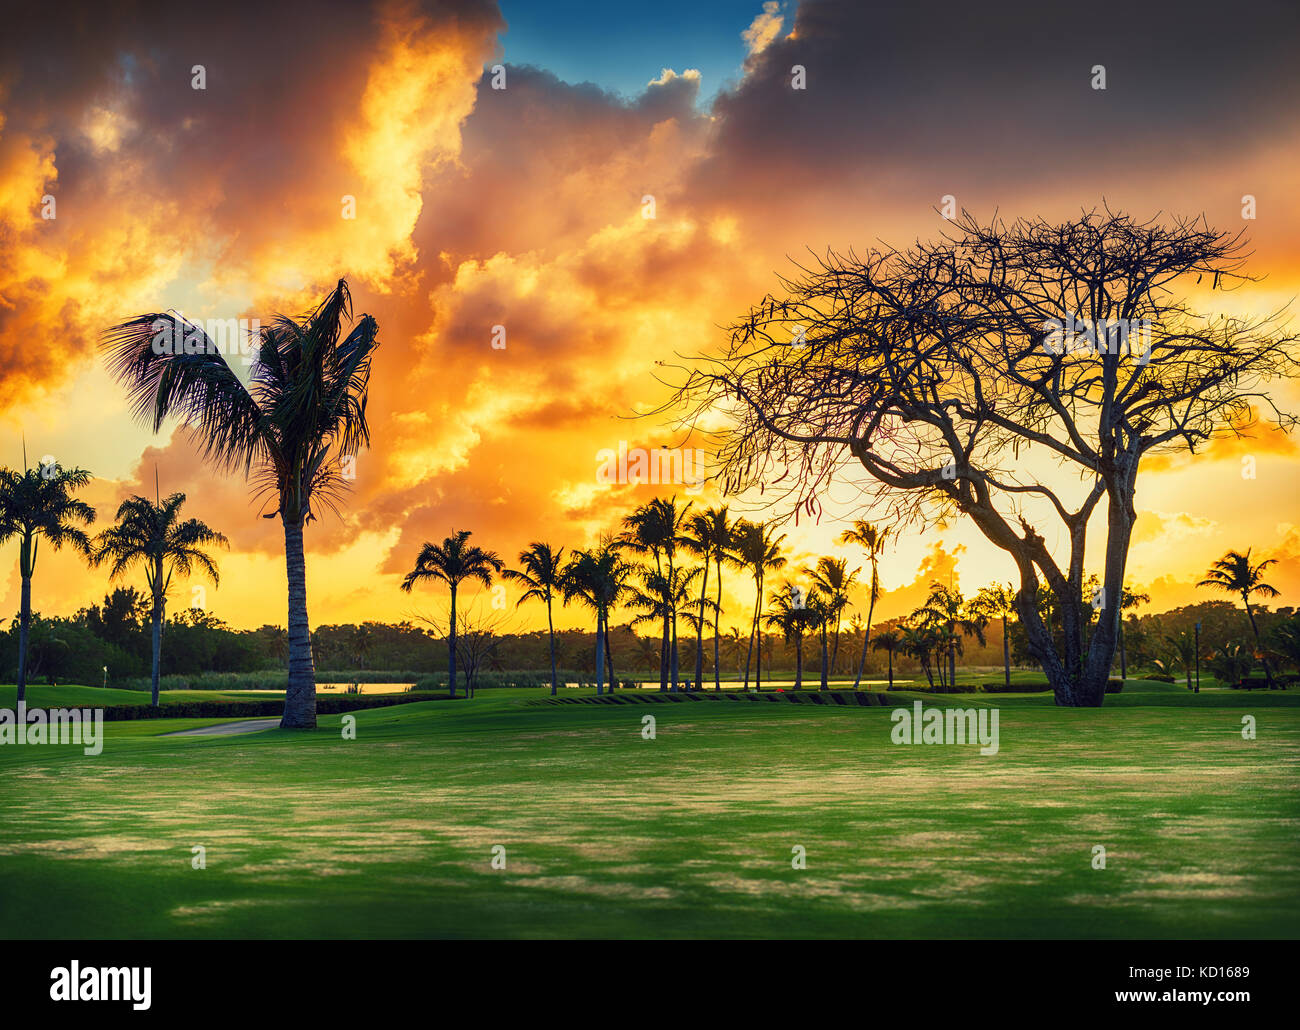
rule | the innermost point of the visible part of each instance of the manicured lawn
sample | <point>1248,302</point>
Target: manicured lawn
<point>689,834</point>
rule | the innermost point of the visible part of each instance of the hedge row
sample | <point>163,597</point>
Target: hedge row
<point>257,709</point>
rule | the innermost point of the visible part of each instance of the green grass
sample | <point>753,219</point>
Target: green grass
<point>689,834</point>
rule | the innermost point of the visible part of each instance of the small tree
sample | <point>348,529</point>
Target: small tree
<point>38,504</point>
<point>154,536</point>
<point>1235,574</point>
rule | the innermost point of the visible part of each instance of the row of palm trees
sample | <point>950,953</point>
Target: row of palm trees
<point>659,567</point>
<point>40,504</point>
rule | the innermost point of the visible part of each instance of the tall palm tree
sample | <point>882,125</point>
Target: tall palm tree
<point>655,529</point>
<point>888,641</point>
<point>1234,574</point>
<point>37,504</point>
<point>292,429</point>
<point>832,578</point>
<point>153,534</point>
<point>542,574</point>
<point>821,610</point>
<point>709,535</point>
<point>997,601</point>
<point>871,539</point>
<point>758,550</point>
<point>453,561</point>
<point>789,613</point>
<point>661,594</point>
<point>597,578</point>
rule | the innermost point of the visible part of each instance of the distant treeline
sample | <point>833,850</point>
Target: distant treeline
<point>115,634</point>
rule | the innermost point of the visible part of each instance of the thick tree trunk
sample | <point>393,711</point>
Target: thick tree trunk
<point>300,698</point>
<point>550,628</point>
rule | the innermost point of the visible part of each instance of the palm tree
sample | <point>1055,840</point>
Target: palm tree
<point>154,535</point>
<point>661,595</point>
<point>996,602</point>
<point>293,429</point>
<point>453,562</point>
<point>596,578</point>
<point>1234,573</point>
<point>834,581</point>
<point>34,504</point>
<point>656,529</point>
<point>922,641</point>
<point>889,641</point>
<point>872,540</point>
<point>542,575</point>
<point>1182,650</point>
<point>710,536</point>
<point>789,613</point>
<point>1230,665</point>
<point>759,551</point>
<point>821,609</point>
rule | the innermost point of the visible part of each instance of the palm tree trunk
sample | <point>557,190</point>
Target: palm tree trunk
<point>600,652</point>
<point>1123,658</point>
<point>1006,653</point>
<point>300,698</point>
<point>824,657</point>
<point>157,646</point>
<point>758,640</point>
<point>1268,672</point>
<point>717,615</point>
<point>550,628</point>
<point>24,618</point>
<point>609,656</point>
<point>891,668</point>
<point>866,633</point>
<point>798,663</point>
<point>749,653</point>
<point>451,645</point>
<point>699,631</point>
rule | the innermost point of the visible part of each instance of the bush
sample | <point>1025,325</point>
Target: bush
<point>955,688</point>
<point>1114,686</point>
<point>1159,677</point>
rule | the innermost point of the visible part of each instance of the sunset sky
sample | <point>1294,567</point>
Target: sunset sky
<point>523,207</point>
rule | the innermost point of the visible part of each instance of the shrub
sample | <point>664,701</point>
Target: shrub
<point>1159,677</point>
<point>1114,686</point>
